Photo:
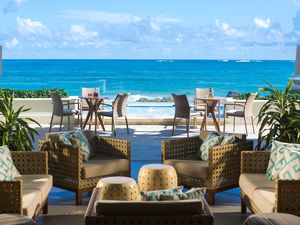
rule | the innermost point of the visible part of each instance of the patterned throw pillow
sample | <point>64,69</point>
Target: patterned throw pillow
<point>290,169</point>
<point>157,194</point>
<point>8,171</point>
<point>64,138</point>
<point>212,140</point>
<point>79,140</point>
<point>194,193</point>
<point>277,157</point>
<point>228,139</point>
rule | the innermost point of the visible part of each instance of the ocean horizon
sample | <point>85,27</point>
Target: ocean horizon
<point>147,78</point>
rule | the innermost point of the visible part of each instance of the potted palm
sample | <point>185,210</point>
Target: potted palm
<point>279,117</point>
<point>15,131</point>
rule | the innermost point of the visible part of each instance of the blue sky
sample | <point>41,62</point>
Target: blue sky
<point>145,29</point>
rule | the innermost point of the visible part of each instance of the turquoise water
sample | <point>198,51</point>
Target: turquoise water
<point>150,78</point>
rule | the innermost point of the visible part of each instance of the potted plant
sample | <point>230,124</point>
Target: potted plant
<point>279,117</point>
<point>15,132</point>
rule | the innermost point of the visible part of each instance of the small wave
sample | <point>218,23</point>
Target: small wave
<point>164,60</point>
<point>224,60</point>
<point>243,61</point>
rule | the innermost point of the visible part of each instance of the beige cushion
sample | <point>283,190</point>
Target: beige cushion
<point>192,168</point>
<point>272,219</point>
<point>98,167</point>
<point>30,202</point>
<point>148,207</point>
<point>249,182</point>
<point>15,219</point>
<point>42,183</point>
<point>264,199</point>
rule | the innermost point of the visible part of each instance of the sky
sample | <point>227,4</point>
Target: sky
<point>149,29</point>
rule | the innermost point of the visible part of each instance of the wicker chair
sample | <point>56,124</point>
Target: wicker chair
<point>69,170</point>
<point>259,194</point>
<point>12,192</point>
<point>219,173</point>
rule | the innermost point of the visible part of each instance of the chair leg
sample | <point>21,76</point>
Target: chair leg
<point>69,123</point>
<point>246,125</point>
<point>174,120</point>
<point>252,120</point>
<point>127,124</point>
<point>210,197</point>
<point>113,128</point>
<point>61,120</point>
<point>78,197</point>
<point>188,127</point>
<point>51,123</point>
<point>234,124</point>
<point>243,206</point>
<point>45,208</point>
<point>224,124</point>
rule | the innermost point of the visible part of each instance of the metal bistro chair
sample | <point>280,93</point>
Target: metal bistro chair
<point>59,111</point>
<point>245,112</point>
<point>118,110</point>
<point>183,110</point>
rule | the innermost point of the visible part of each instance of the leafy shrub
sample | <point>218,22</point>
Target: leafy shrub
<point>41,93</point>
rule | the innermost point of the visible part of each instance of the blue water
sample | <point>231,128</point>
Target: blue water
<point>154,78</point>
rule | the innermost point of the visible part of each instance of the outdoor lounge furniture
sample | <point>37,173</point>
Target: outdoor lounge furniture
<point>199,105</point>
<point>244,111</point>
<point>60,111</point>
<point>118,110</point>
<point>272,219</point>
<point>70,172</point>
<point>219,173</point>
<point>261,195</point>
<point>15,219</point>
<point>27,195</point>
<point>147,212</point>
<point>183,111</point>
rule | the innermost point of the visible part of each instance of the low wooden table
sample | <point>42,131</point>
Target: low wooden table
<point>157,177</point>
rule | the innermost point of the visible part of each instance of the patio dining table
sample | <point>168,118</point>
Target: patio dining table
<point>212,103</point>
<point>94,106</point>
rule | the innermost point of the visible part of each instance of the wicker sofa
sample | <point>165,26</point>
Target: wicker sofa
<point>261,195</point>
<point>219,173</point>
<point>147,212</point>
<point>27,195</point>
<point>69,170</point>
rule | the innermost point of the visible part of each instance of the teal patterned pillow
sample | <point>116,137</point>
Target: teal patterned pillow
<point>79,140</point>
<point>194,193</point>
<point>64,138</point>
<point>277,157</point>
<point>212,140</point>
<point>290,169</point>
<point>158,194</point>
<point>8,171</point>
<point>228,139</point>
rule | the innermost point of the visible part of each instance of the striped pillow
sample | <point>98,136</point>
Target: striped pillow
<point>212,140</point>
<point>290,168</point>
<point>8,171</point>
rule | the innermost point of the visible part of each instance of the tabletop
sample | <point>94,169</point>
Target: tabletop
<point>211,99</point>
<point>93,98</point>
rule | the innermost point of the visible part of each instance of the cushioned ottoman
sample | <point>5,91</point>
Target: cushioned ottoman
<point>272,219</point>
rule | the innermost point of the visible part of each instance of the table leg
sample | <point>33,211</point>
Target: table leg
<point>86,120</point>
<point>215,120</point>
<point>96,121</point>
<point>101,122</point>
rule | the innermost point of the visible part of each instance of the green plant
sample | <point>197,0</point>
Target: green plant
<point>41,93</point>
<point>15,132</point>
<point>279,117</point>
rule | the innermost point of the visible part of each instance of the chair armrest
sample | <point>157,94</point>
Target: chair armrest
<point>106,104</point>
<point>117,148</point>
<point>224,164</point>
<point>254,161</point>
<point>65,162</point>
<point>288,196</point>
<point>180,148</point>
<point>31,162</point>
<point>11,197</point>
<point>234,104</point>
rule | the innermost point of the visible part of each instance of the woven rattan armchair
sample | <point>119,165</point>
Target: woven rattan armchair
<point>11,192</point>
<point>68,168</point>
<point>285,194</point>
<point>219,173</point>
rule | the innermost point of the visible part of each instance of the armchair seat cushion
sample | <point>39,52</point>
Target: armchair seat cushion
<point>249,182</point>
<point>191,168</point>
<point>30,201</point>
<point>102,167</point>
<point>41,183</point>
<point>272,218</point>
<point>235,112</point>
<point>265,200</point>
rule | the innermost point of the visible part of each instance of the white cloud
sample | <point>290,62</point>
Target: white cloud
<point>28,27</point>
<point>13,5</point>
<point>11,43</point>
<point>228,30</point>
<point>262,23</point>
<point>79,32</point>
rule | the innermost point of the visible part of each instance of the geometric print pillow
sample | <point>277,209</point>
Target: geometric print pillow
<point>8,171</point>
<point>79,140</point>
<point>290,169</point>
<point>277,157</point>
<point>212,140</point>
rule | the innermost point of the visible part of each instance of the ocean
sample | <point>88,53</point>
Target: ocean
<point>145,78</point>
